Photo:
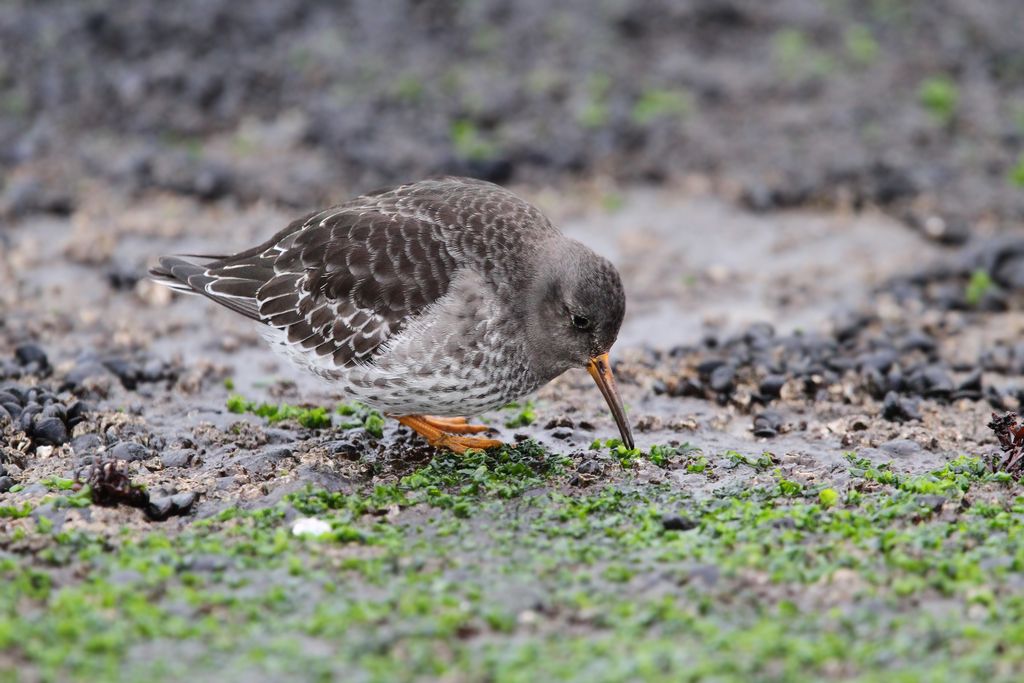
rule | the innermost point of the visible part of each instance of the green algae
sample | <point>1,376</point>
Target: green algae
<point>460,569</point>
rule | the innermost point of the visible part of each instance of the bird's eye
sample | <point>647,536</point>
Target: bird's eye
<point>580,322</point>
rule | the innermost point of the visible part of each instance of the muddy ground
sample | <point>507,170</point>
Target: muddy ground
<point>810,355</point>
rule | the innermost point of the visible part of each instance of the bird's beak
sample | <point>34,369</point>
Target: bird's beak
<point>601,370</point>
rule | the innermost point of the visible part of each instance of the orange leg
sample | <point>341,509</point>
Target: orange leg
<point>448,433</point>
<point>454,425</point>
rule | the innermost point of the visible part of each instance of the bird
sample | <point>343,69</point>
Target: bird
<point>429,301</point>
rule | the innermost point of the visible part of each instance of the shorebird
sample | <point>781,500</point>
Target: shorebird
<point>429,301</point>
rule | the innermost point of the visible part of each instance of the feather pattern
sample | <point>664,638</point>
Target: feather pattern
<point>380,293</point>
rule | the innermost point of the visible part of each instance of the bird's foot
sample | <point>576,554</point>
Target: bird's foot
<point>449,432</point>
<point>455,425</point>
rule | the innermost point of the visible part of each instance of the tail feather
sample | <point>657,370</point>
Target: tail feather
<point>191,278</point>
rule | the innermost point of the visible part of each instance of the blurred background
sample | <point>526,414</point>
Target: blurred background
<point>913,106</point>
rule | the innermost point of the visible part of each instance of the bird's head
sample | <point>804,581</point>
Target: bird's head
<point>574,310</point>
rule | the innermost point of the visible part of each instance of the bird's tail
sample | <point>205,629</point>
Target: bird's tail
<point>229,284</point>
<point>178,274</point>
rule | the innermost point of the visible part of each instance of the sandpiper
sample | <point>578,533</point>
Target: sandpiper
<point>428,301</point>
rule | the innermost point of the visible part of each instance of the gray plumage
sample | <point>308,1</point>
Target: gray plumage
<point>441,297</point>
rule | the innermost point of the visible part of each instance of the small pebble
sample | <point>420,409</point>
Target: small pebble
<point>183,501</point>
<point>901,448</point>
<point>160,508</point>
<point>176,458</point>
<point>50,431</point>
<point>767,424</point>
<point>722,380</point>
<point>126,450</point>
<point>771,386</point>
<point>310,527</point>
<point>678,523</point>
<point>898,409</point>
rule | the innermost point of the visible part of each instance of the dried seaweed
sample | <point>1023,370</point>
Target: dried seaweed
<point>111,485</point>
<point>1010,433</point>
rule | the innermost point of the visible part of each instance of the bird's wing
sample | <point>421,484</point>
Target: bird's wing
<point>339,285</point>
<point>343,281</point>
<point>347,283</point>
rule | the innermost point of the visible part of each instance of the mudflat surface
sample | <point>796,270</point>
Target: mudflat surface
<point>815,208</point>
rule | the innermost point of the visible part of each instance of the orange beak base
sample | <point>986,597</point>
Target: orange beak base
<point>601,370</point>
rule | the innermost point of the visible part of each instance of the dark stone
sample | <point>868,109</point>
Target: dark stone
<point>12,409</point>
<point>722,380</point>
<point>931,381</point>
<point>1010,273</point>
<point>50,431</point>
<point>686,387</point>
<point>933,502</point>
<point>898,409</point>
<point>77,413</point>
<point>771,386</point>
<point>122,278</point>
<point>160,508</point>
<point>995,398</point>
<point>5,484</point>
<point>707,367</point>
<point>154,371</point>
<point>33,357</point>
<point>345,449</point>
<point>265,460</point>
<point>875,383</point>
<point>278,436</point>
<point>971,383</point>
<point>129,451</point>
<point>592,466</point>
<point>17,392</point>
<point>895,379</point>
<point>878,360</point>
<point>560,421</point>
<point>918,341</point>
<point>278,453</point>
<point>767,424</point>
<point>86,442</point>
<point>125,370</point>
<point>23,196</point>
<point>56,410</point>
<point>176,458</point>
<point>83,372</point>
<point>28,415</point>
<point>678,523</point>
<point>901,448</point>
<point>994,301</point>
<point>183,501</point>
<point>761,330</point>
